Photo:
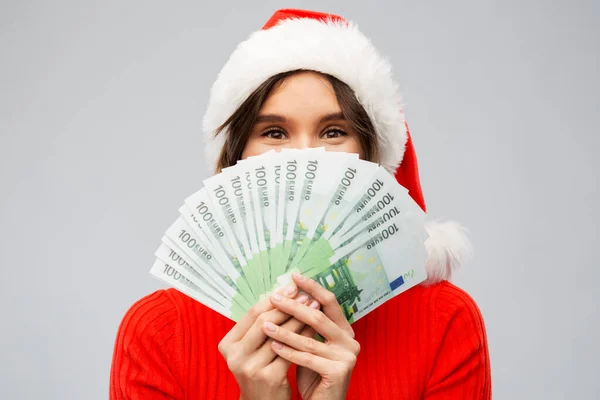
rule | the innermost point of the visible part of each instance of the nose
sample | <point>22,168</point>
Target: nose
<point>304,139</point>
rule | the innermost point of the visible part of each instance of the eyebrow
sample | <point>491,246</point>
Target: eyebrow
<point>281,119</point>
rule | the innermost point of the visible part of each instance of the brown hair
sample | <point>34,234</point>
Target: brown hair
<point>239,124</point>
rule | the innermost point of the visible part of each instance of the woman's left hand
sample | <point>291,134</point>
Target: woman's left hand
<point>324,368</point>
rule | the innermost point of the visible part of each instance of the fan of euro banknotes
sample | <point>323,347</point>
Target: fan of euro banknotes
<point>342,221</point>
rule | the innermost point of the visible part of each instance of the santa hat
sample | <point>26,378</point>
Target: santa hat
<point>296,39</point>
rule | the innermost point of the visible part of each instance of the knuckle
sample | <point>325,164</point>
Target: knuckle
<point>329,297</point>
<point>292,356</point>
<point>351,360</point>
<point>305,359</point>
<point>222,347</point>
<point>311,284</point>
<point>319,318</point>
<point>254,312</point>
<point>248,370</point>
<point>310,343</point>
<point>262,318</point>
<point>290,303</point>
<point>356,348</point>
<point>310,364</point>
<point>351,332</point>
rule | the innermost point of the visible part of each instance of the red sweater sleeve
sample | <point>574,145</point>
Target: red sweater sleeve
<point>462,366</point>
<point>147,358</point>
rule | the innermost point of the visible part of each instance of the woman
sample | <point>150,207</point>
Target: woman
<point>307,80</point>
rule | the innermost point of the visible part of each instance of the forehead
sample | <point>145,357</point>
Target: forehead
<point>302,92</point>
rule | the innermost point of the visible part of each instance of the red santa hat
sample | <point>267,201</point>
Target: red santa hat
<point>327,43</point>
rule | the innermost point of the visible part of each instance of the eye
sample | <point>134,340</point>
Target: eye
<point>333,133</point>
<point>276,134</point>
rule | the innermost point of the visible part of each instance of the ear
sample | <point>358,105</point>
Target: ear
<point>448,248</point>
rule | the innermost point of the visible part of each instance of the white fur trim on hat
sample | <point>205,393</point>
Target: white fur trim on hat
<point>335,48</point>
<point>448,248</point>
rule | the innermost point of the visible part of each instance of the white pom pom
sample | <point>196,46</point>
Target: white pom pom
<point>448,248</point>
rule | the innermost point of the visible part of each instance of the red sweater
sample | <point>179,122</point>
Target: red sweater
<point>427,343</point>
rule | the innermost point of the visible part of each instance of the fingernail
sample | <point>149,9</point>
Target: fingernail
<point>298,276</point>
<point>302,299</point>
<point>270,326</point>
<point>315,304</point>
<point>276,297</point>
<point>277,345</point>
<point>290,289</point>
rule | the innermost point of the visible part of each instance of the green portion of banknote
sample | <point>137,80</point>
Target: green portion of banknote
<point>343,221</point>
<point>369,272</point>
<point>196,245</point>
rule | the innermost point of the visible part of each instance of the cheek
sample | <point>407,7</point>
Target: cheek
<point>253,148</point>
<point>349,146</point>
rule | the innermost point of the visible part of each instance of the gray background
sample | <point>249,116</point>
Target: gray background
<point>100,115</point>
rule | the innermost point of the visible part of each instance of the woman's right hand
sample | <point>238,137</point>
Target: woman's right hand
<point>259,372</point>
